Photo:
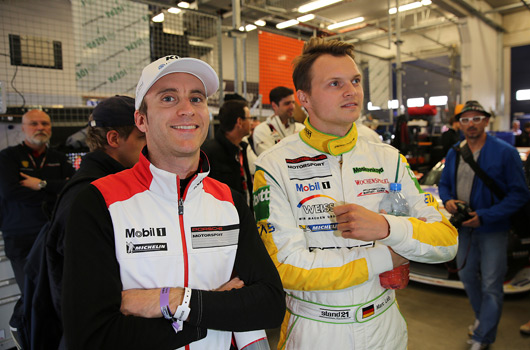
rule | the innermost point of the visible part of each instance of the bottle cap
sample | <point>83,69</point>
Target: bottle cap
<point>395,186</point>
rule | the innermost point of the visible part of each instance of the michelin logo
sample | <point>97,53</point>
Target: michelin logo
<point>319,227</point>
<point>147,247</point>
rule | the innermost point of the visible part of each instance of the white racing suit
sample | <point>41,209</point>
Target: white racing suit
<point>334,297</point>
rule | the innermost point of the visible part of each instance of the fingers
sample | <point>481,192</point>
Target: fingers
<point>24,175</point>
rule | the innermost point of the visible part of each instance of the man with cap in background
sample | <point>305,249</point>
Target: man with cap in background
<point>227,153</point>
<point>151,253</point>
<point>483,237</point>
<point>115,144</point>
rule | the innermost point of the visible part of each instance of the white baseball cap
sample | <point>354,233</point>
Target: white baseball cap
<point>174,64</point>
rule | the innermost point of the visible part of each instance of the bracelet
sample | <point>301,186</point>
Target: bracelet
<point>166,311</point>
<point>183,310</point>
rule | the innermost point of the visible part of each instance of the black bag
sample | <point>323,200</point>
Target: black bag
<point>521,219</point>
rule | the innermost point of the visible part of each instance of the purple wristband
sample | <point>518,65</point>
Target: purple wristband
<point>166,311</point>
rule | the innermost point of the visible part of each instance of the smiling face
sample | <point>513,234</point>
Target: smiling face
<point>177,119</point>
<point>336,97</point>
<point>285,108</point>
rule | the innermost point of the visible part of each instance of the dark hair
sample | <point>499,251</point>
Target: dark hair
<point>234,96</point>
<point>96,137</point>
<point>229,112</point>
<point>313,49</point>
<point>279,93</point>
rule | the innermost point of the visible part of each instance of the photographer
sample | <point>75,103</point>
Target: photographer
<point>482,218</point>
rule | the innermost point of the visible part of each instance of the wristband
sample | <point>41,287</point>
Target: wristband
<point>183,310</point>
<point>166,311</point>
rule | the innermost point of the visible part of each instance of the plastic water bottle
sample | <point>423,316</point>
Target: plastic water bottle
<point>394,203</point>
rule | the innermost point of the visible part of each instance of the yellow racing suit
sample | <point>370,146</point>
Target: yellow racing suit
<point>334,297</point>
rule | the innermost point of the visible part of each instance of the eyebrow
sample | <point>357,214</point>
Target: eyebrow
<point>194,91</point>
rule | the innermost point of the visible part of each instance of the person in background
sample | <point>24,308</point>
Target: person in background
<point>367,133</point>
<point>316,199</point>
<point>523,140</point>
<point>227,153</point>
<point>483,238</point>
<point>451,136</point>
<point>160,256</point>
<point>279,125</point>
<point>115,144</point>
<point>31,176</point>
<point>516,127</point>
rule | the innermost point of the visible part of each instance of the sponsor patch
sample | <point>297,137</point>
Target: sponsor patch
<point>145,247</point>
<point>214,236</point>
<point>371,181</point>
<point>262,198</point>
<point>315,186</point>
<point>265,228</point>
<point>367,170</point>
<point>333,314</point>
<point>145,232</point>
<point>369,191</point>
<point>319,227</point>
<point>305,168</point>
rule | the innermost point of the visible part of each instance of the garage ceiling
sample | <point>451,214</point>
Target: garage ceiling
<point>375,13</point>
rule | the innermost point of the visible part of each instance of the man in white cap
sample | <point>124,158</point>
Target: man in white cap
<point>161,255</point>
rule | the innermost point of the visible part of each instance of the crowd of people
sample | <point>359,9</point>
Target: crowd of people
<point>166,239</point>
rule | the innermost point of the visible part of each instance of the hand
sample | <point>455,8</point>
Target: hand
<point>234,283</point>
<point>357,222</point>
<point>397,260</point>
<point>473,222</point>
<point>450,205</point>
<point>30,182</point>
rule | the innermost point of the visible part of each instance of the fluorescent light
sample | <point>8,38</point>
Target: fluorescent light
<point>438,100</point>
<point>393,104</point>
<point>184,4</point>
<point>372,108</point>
<point>306,18</point>
<point>316,5</point>
<point>346,23</point>
<point>415,102</point>
<point>158,18</point>
<point>286,24</point>
<point>260,23</point>
<point>522,95</point>
<point>174,10</point>
<point>411,6</point>
<point>250,27</point>
<point>241,29</point>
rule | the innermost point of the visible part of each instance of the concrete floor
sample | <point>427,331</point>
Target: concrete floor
<point>438,318</point>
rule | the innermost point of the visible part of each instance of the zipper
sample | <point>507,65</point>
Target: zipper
<point>182,231</point>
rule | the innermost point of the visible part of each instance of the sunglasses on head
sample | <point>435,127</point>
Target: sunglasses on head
<point>476,119</point>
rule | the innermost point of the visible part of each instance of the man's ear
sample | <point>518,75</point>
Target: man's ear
<point>113,138</point>
<point>303,98</point>
<point>141,120</point>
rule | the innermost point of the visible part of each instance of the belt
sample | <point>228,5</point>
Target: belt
<point>359,313</point>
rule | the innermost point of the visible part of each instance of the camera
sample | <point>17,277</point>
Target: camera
<point>461,215</point>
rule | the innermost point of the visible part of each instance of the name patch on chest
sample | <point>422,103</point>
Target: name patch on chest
<point>305,168</point>
<point>214,236</point>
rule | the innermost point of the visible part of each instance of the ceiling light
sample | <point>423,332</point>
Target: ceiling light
<point>260,23</point>
<point>250,27</point>
<point>438,100</point>
<point>306,18</point>
<point>393,104</point>
<point>345,23</point>
<point>158,18</point>
<point>316,5</point>
<point>174,10</point>
<point>522,95</point>
<point>411,6</point>
<point>415,102</point>
<point>184,4</point>
<point>286,24</point>
<point>241,29</point>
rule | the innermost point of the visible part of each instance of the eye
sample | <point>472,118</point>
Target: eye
<point>196,99</point>
<point>168,98</point>
<point>334,83</point>
<point>357,80</point>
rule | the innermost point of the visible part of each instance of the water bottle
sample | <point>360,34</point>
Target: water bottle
<point>394,203</point>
